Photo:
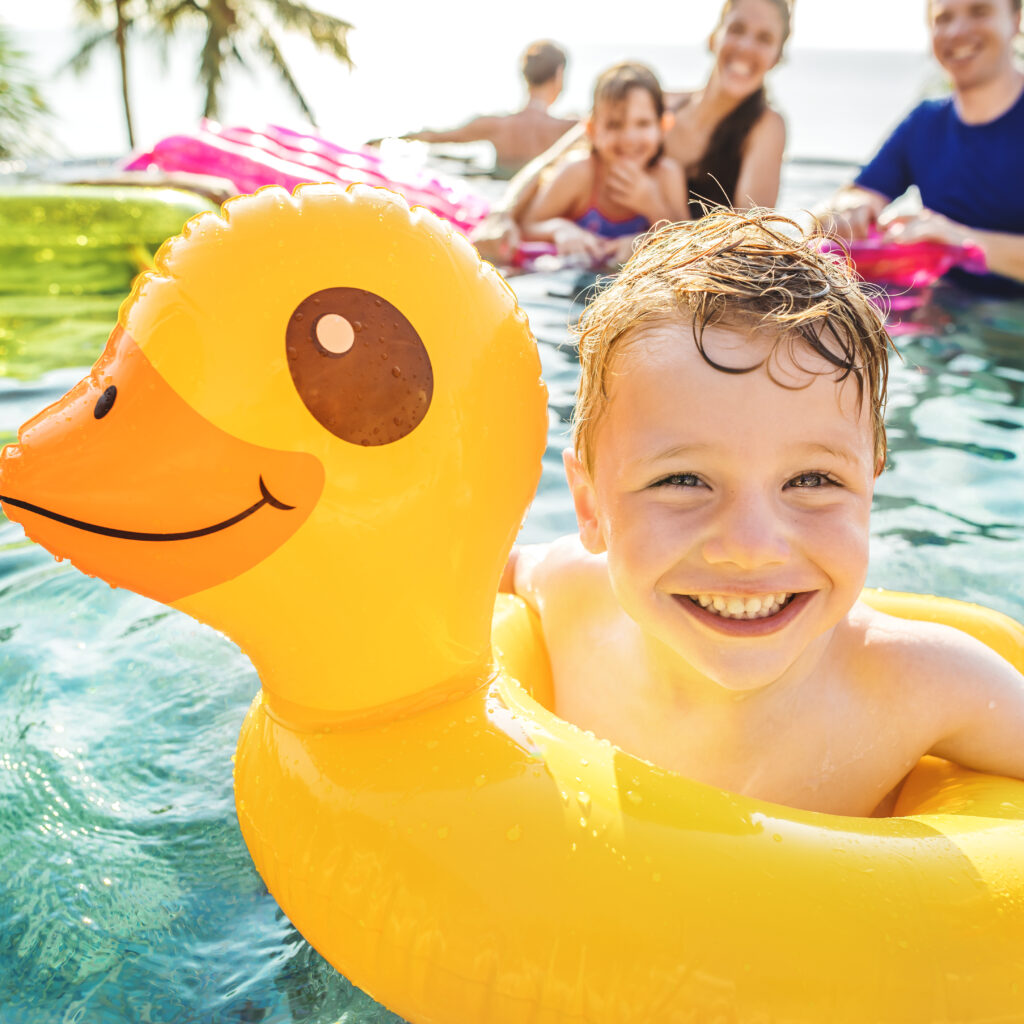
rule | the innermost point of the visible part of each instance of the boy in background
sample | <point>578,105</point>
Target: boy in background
<point>517,138</point>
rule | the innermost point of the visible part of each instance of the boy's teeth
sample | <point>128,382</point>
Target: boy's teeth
<point>742,607</point>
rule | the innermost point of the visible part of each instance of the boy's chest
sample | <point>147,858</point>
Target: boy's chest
<point>841,759</point>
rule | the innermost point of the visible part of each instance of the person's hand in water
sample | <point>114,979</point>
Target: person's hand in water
<point>497,238</point>
<point>624,248</point>
<point>925,226</point>
<point>572,240</point>
<point>852,215</point>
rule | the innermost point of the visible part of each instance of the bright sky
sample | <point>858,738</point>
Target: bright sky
<point>436,63</point>
<point>860,25</point>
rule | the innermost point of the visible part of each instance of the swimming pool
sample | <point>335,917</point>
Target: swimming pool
<point>126,893</point>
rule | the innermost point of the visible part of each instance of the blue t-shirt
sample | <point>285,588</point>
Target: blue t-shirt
<point>971,173</point>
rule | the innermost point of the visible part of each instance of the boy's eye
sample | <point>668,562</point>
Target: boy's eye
<point>679,480</point>
<point>810,480</point>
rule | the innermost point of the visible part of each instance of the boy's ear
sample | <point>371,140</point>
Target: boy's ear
<point>584,500</point>
<point>667,120</point>
<point>588,126</point>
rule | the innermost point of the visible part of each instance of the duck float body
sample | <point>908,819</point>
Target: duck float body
<point>317,428</point>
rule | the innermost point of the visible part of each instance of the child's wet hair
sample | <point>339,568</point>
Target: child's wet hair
<point>756,270</point>
<point>614,84</point>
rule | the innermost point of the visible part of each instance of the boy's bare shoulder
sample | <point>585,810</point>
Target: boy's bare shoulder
<point>930,664</point>
<point>557,571</point>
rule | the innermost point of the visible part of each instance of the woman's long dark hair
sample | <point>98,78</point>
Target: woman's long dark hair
<point>714,183</point>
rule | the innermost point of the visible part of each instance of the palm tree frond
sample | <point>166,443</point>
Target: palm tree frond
<point>80,59</point>
<point>231,28</point>
<point>327,32</point>
<point>166,19</point>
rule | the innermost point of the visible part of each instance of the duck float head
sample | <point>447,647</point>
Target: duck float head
<point>292,433</point>
<point>317,427</point>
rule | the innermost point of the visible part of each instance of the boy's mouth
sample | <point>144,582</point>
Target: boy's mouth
<point>728,606</point>
<point>738,617</point>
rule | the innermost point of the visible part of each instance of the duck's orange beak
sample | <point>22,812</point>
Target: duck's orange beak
<point>130,483</point>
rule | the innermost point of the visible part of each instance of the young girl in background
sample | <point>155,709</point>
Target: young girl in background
<point>597,205</point>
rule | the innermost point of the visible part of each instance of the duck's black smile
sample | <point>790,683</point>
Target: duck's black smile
<point>109,531</point>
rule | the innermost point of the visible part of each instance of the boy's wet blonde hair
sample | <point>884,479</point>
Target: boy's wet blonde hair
<point>756,270</point>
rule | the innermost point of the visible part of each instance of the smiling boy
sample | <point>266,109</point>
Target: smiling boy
<point>727,439</point>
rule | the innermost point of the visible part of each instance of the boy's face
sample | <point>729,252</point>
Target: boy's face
<point>719,489</point>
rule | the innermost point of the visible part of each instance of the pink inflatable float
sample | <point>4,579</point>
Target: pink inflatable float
<point>910,265</point>
<point>252,158</point>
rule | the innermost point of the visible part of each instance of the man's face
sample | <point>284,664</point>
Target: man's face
<point>973,39</point>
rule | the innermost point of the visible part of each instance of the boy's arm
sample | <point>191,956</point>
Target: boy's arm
<point>479,129</point>
<point>981,704</point>
<point>533,569</point>
<point>520,575</point>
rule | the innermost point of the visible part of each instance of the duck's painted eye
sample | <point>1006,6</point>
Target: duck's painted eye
<point>359,365</point>
<point>105,402</point>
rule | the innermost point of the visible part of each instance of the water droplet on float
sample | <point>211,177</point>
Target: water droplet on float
<point>396,371</point>
<point>634,798</point>
<point>514,834</point>
<point>442,832</point>
<point>583,799</point>
<point>479,781</point>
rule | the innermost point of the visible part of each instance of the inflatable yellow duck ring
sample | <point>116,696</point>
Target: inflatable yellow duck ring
<point>317,427</point>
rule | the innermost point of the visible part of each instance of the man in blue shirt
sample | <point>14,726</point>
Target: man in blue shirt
<point>965,153</point>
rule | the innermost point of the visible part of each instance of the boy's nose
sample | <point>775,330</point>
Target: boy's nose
<point>747,533</point>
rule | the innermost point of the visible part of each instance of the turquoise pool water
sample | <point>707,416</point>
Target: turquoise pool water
<point>126,893</point>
